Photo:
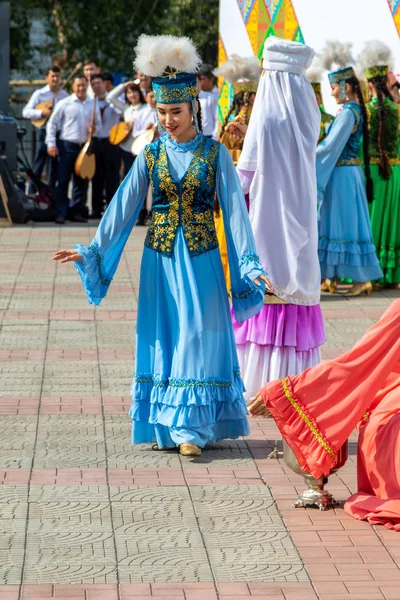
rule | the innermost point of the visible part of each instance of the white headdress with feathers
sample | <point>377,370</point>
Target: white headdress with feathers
<point>375,54</point>
<point>237,69</point>
<point>154,53</point>
<point>336,55</point>
<point>316,70</point>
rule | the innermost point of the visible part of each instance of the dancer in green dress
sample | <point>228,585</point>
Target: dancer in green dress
<point>384,140</point>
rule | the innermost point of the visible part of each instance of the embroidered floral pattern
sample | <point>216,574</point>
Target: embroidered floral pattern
<point>188,203</point>
<point>159,381</point>
<point>169,94</point>
<point>318,436</point>
<point>248,258</point>
<point>242,294</point>
<point>95,249</point>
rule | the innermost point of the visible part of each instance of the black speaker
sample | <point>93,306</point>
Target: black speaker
<point>20,206</point>
<point>8,141</point>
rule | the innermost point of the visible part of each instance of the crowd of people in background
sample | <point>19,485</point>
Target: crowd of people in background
<point>361,247</point>
<point>93,108</point>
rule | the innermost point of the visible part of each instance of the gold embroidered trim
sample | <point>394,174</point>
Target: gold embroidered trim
<point>348,162</point>
<point>306,420</point>
<point>376,71</point>
<point>198,228</point>
<point>375,160</point>
<point>170,94</point>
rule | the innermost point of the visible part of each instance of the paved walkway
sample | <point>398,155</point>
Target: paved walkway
<point>84,515</point>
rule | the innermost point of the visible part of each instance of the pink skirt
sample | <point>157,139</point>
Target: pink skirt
<point>281,340</point>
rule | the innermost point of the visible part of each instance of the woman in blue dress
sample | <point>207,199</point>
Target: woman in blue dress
<point>187,388</point>
<point>346,248</point>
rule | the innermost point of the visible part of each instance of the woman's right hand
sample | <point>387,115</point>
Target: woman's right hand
<point>67,256</point>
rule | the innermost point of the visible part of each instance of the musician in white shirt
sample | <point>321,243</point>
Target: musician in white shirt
<point>72,119</point>
<point>108,156</point>
<point>208,98</point>
<point>49,92</point>
<point>133,105</point>
<point>90,67</point>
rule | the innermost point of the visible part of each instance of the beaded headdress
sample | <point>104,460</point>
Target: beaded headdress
<point>375,59</point>
<point>339,54</point>
<point>172,62</point>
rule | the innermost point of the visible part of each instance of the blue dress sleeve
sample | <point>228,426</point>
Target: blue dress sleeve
<point>100,260</point>
<point>330,149</point>
<point>244,266</point>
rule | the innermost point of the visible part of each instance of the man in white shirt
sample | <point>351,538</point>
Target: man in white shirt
<point>51,91</point>
<point>72,119</point>
<point>208,97</point>
<point>108,156</point>
<point>90,67</point>
<point>143,81</point>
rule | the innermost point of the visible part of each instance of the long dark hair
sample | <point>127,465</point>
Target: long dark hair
<point>356,88</point>
<point>382,92</point>
<point>134,87</point>
<point>199,115</point>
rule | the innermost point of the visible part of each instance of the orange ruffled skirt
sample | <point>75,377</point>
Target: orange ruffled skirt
<point>317,411</point>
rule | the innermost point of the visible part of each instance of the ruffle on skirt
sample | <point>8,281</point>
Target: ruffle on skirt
<point>355,260</point>
<point>261,364</point>
<point>315,453</point>
<point>215,407</point>
<point>283,325</point>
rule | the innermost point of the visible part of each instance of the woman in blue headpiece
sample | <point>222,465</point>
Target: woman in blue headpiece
<point>187,388</point>
<point>345,247</point>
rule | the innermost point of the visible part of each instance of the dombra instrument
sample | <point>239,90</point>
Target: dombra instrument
<point>119,133</point>
<point>49,104</point>
<point>85,164</point>
<point>142,141</point>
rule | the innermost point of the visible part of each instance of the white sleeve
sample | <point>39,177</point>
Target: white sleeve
<point>98,124</point>
<point>113,98</point>
<point>29,111</point>
<point>54,125</point>
<point>215,113</point>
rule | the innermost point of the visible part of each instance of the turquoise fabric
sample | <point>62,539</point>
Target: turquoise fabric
<point>345,247</point>
<point>187,386</point>
<point>352,145</point>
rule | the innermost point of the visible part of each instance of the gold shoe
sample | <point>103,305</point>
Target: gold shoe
<point>325,285</point>
<point>188,449</point>
<point>157,448</point>
<point>332,286</point>
<point>329,285</point>
<point>366,289</point>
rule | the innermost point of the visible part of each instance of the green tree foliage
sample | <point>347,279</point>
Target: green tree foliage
<point>108,29</point>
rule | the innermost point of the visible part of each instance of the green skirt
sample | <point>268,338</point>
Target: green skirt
<point>385,221</point>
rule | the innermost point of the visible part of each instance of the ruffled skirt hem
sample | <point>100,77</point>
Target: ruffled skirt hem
<point>261,364</point>
<point>283,325</point>
<point>202,411</point>
<point>316,455</point>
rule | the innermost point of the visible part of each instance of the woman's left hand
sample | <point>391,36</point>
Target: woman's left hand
<point>257,408</point>
<point>266,281</point>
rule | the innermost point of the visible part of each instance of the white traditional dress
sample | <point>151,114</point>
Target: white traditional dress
<point>277,168</point>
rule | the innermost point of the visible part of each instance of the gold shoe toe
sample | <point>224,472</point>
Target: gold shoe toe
<point>188,449</point>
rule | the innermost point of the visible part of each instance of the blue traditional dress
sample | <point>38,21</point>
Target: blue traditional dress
<point>345,248</point>
<point>187,385</point>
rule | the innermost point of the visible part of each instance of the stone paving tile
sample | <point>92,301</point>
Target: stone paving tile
<point>90,494</point>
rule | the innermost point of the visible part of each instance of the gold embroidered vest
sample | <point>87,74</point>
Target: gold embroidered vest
<point>187,203</point>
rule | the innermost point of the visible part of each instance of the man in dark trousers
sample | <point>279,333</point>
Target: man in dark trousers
<point>72,120</point>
